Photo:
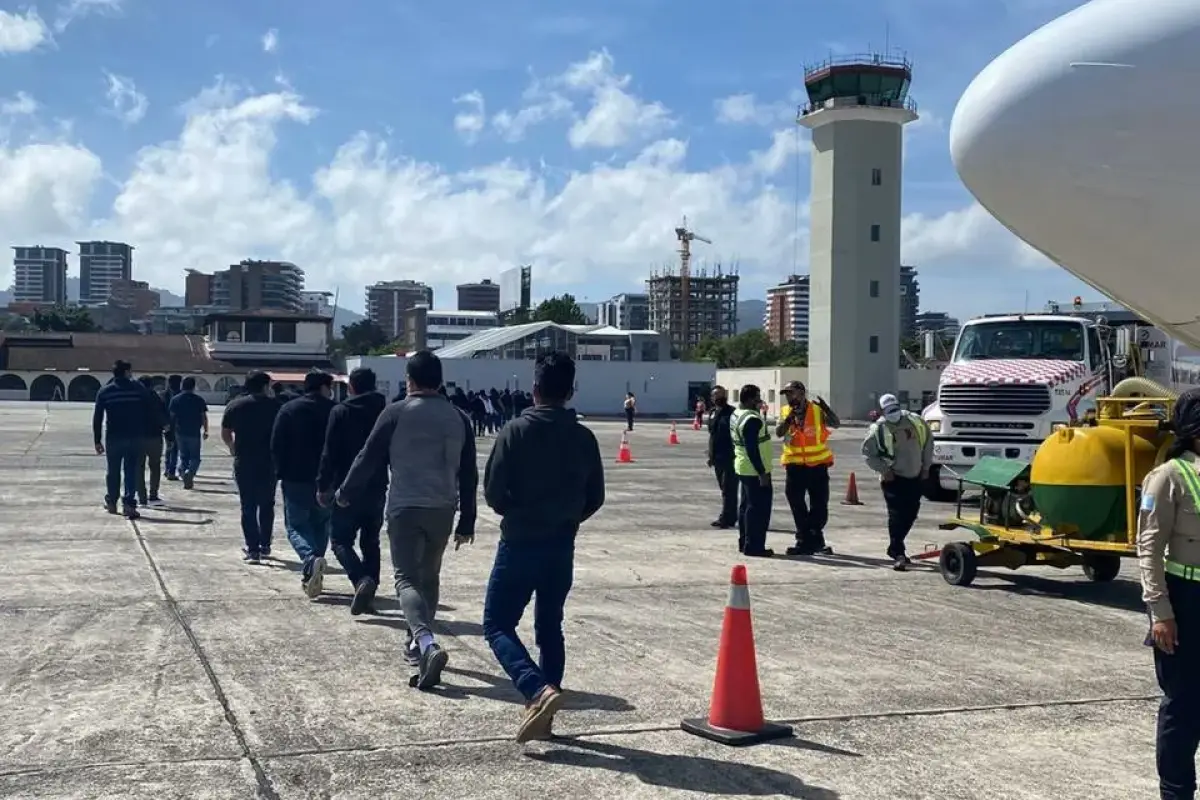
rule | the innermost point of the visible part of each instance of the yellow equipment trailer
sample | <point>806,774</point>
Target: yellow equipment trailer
<point>1074,504</point>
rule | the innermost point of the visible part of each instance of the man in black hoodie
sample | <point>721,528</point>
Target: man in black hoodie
<point>350,424</point>
<point>544,478</point>
<point>246,431</point>
<point>720,458</point>
<point>297,439</point>
<point>151,457</point>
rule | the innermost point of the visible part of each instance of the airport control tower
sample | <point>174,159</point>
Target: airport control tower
<point>857,108</point>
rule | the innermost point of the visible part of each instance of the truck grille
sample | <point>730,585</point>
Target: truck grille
<point>1001,400</point>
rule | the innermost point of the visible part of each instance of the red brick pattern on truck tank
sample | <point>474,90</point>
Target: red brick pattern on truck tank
<point>1017,371</point>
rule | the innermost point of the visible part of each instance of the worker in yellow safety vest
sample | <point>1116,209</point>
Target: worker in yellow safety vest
<point>752,465</point>
<point>804,427</point>
<point>899,448</point>
<point>1168,548</point>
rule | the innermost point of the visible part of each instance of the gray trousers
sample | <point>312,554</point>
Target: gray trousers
<point>418,539</point>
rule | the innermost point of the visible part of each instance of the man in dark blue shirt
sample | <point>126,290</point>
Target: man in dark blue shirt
<point>118,431</point>
<point>189,418</point>
<point>151,458</point>
<point>246,431</point>
<point>171,467</point>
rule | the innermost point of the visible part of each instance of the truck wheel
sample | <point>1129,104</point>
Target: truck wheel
<point>933,491</point>
<point>958,564</point>
<point>1101,568</point>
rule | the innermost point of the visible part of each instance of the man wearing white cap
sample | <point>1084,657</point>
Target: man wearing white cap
<point>899,448</point>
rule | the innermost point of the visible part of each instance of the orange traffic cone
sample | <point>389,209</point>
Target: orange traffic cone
<point>674,437</point>
<point>696,424</point>
<point>851,498</point>
<point>735,715</point>
<point>624,454</point>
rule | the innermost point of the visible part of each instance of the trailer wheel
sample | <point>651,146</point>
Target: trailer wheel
<point>958,564</point>
<point>1101,568</point>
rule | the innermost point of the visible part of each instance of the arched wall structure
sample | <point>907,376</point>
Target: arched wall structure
<point>83,389</point>
<point>47,387</point>
<point>12,383</point>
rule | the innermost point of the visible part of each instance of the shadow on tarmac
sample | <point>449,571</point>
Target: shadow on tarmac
<point>1120,595</point>
<point>500,688</point>
<point>687,773</point>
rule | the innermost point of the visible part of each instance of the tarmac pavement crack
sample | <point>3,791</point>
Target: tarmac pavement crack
<point>265,789</point>
<point>38,436</point>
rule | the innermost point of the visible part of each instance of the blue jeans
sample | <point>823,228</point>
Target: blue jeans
<point>306,523</point>
<point>172,457</point>
<point>189,453</point>
<point>521,572</point>
<point>122,454</point>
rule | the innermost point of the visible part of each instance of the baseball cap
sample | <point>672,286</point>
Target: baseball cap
<point>794,386</point>
<point>888,402</point>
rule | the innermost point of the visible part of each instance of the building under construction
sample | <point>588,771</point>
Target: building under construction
<point>689,306</point>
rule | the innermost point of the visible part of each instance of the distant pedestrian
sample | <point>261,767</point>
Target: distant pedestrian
<point>151,460</point>
<point>119,432</point>
<point>171,460</point>
<point>189,419</point>
<point>630,410</point>
<point>752,462</point>
<point>350,423</point>
<point>296,443</point>
<point>246,431</point>
<point>544,478</point>
<point>430,447</point>
<point>899,448</point>
<point>720,458</point>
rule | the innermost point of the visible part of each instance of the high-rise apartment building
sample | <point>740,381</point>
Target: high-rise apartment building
<point>40,275</point>
<point>248,286</point>
<point>197,289</point>
<point>387,301</point>
<point>786,318</point>
<point>134,296</point>
<point>482,296</point>
<point>627,311</point>
<point>910,302</point>
<point>317,304</point>
<point>100,264</point>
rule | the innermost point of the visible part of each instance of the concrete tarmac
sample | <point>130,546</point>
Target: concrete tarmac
<point>146,661</point>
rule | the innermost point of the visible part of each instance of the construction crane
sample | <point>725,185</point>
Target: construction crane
<point>686,237</point>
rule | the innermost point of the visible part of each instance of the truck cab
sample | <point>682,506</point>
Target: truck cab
<point>1011,381</point>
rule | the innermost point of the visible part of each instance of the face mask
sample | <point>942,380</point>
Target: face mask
<point>893,416</point>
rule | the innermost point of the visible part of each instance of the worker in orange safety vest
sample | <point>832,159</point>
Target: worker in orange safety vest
<point>804,427</point>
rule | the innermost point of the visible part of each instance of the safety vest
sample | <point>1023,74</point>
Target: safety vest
<point>741,457</point>
<point>885,437</point>
<point>1191,480</point>
<point>806,446</point>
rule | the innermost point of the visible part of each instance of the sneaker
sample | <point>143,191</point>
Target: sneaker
<point>248,557</point>
<point>900,564</point>
<point>265,552</point>
<point>110,507</point>
<point>539,716</point>
<point>130,512</point>
<point>801,550</point>
<point>766,552</point>
<point>155,500</point>
<point>432,662</point>
<point>721,524</point>
<point>364,593</point>
<point>316,578</point>
<point>143,501</point>
<point>188,480</point>
<point>412,654</point>
<point>171,476</point>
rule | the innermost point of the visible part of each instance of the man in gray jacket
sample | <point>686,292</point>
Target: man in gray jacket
<point>430,447</point>
<point>899,448</point>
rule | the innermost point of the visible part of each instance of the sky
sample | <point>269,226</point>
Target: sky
<point>401,139</point>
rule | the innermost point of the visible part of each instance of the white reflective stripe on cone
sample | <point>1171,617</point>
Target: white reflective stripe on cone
<point>739,597</point>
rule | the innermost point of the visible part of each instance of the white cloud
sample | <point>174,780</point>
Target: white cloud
<point>541,104</point>
<point>213,196</point>
<point>270,41</point>
<point>21,104</point>
<point>786,144</point>
<point>965,238</point>
<point>470,121</point>
<point>746,109</point>
<point>617,117</point>
<point>21,33</point>
<point>78,9</point>
<point>126,103</point>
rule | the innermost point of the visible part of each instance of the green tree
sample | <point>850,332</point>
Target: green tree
<point>748,350</point>
<point>561,309</point>
<point>360,338</point>
<point>62,319</point>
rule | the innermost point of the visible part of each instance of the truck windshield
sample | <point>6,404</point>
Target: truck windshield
<point>1059,341</point>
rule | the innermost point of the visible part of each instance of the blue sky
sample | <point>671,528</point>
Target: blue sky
<point>392,140</point>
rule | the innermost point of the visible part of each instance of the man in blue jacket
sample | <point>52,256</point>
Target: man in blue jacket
<point>544,478</point>
<point>297,439</point>
<point>350,424</point>
<point>118,431</point>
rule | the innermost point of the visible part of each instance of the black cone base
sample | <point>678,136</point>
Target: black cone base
<point>769,732</point>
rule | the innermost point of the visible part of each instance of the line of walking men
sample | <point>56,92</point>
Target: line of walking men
<point>349,471</point>
<point>897,446</point>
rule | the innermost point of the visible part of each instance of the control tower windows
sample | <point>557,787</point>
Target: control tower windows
<point>876,177</point>
<point>874,233</point>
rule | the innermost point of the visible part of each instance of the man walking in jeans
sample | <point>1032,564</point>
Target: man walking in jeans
<point>119,418</point>
<point>246,431</point>
<point>544,478</point>
<point>171,465</point>
<point>152,447</point>
<point>350,423</point>
<point>189,419</point>
<point>296,442</point>
<point>430,447</point>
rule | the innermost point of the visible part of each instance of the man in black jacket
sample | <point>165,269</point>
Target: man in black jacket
<point>297,439</point>
<point>720,458</point>
<point>350,424</point>
<point>544,478</point>
<point>246,431</point>
<point>119,418</point>
<point>171,465</point>
<point>151,459</point>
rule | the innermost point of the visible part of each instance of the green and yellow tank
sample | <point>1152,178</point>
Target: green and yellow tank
<point>1078,479</point>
